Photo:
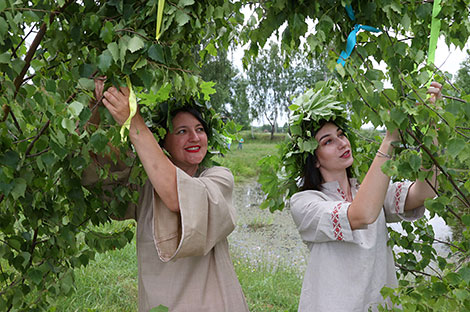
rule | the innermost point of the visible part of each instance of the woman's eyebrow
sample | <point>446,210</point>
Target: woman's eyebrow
<point>179,127</point>
<point>326,135</point>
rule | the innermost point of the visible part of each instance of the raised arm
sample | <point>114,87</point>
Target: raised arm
<point>160,170</point>
<point>369,200</point>
<point>366,206</point>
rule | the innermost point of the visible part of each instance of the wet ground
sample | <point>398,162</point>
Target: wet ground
<point>266,238</point>
<point>263,237</point>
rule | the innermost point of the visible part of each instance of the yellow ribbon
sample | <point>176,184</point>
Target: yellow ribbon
<point>161,4</point>
<point>132,110</point>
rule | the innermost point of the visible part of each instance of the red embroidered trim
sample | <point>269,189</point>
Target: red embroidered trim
<point>337,231</point>
<point>340,191</point>
<point>398,196</point>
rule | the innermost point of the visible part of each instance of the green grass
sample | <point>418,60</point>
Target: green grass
<point>268,287</point>
<point>244,163</point>
<point>109,283</point>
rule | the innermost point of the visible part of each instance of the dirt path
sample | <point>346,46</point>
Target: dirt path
<point>263,237</point>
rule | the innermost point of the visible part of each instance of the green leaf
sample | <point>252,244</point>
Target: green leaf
<point>156,53</point>
<point>141,62</point>
<point>181,17</point>
<point>114,50</point>
<point>340,69</point>
<point>466,219</point>
<point>163,93</point>
<point>406,22</point>
<point>465,274</point>
<point>461,294</point>
<point>160,308</point>
<point>68,124</point>
<point>183,3</point>
<point>19,188</point>
<point>35,275</point>
<point>104,60</point>
<point>136,43</point>
<point>75,108</point>
<point>398,116</point>
<point>107,32</point>
<point>10,159</point>
<point>219,12</point>
<point>211,49</point>
<point>86,83</point>
<point>99,140</point>
<point>5,58</point>
<point>455,146</point>
<point>207,89</point>
<point>415,162</point>
<point>66,283</point>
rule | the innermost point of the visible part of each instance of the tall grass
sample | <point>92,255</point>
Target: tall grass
<point>109,283</point>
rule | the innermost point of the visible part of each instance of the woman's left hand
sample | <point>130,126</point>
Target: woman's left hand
<point>435,91</point>
<point>117,103</point>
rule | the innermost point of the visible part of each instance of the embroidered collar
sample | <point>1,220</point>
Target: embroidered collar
<point>335,189</point>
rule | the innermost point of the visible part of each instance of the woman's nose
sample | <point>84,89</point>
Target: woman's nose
<point>193,136</point>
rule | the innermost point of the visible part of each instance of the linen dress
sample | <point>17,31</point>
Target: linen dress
<point>346,269</point>
<point>183,257</point>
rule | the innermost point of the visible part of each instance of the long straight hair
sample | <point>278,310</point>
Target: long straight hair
<point>311,178</point>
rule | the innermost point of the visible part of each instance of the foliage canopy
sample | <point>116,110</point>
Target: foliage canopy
<point>46,84</point>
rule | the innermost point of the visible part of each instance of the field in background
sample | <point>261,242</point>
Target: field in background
<point>244,163</point>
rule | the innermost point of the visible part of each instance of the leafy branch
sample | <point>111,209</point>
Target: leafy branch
<point>27,60</point>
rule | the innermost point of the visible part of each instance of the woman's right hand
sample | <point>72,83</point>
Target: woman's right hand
<point>117,103</point>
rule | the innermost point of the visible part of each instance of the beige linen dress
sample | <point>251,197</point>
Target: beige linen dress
<point>346,269</point>
<point>183,258</point>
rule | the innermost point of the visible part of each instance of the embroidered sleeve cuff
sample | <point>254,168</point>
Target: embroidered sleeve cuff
<point>395,204</point>
<point>340,222</point>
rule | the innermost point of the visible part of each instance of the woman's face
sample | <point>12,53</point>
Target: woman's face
<point>187,143</point>
<point>333,151</point>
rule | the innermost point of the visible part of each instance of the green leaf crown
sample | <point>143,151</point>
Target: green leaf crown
<point>309,112</point>
<point>280,176</point>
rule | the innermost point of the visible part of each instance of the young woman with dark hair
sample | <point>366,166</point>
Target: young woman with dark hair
<point>311,178</point>
<point>344,224</point>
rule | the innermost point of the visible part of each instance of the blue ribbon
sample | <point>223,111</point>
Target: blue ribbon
<point>351,43</point>
<point>350,12</point>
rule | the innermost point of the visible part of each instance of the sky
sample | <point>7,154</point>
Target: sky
<point>448,59</point>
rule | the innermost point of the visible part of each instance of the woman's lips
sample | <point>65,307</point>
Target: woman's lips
<point>193,149</point>
<point>346,154</point>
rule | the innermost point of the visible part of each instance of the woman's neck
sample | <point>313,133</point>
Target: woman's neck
<point>343,180</point>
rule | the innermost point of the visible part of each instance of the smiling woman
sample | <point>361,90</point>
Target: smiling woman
<point>184,214</point>
<point>187,142</point>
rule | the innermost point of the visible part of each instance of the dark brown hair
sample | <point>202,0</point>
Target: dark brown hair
<point>311,178</point>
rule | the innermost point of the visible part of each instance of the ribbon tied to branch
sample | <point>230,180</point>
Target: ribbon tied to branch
<point>351,42</point>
